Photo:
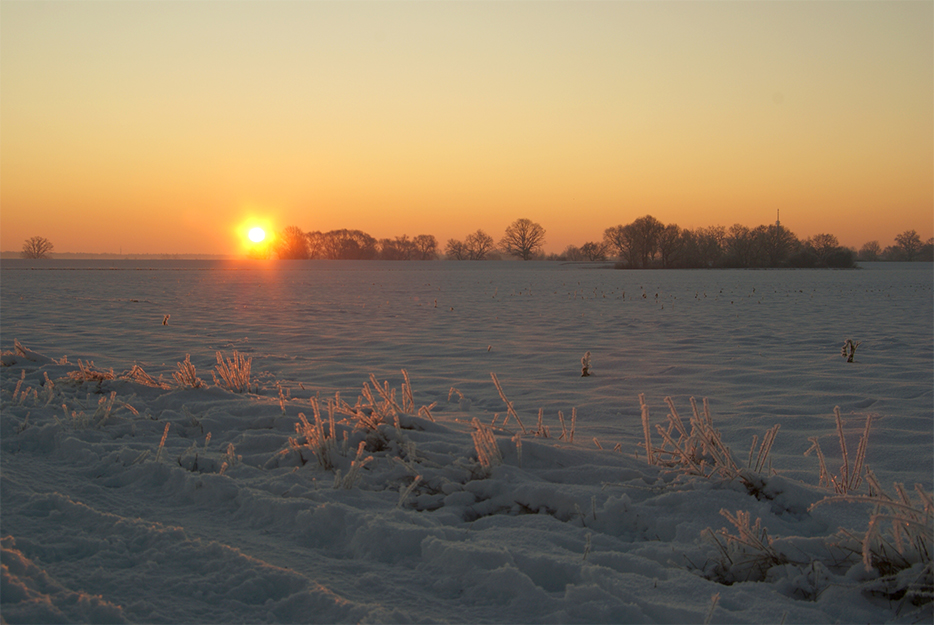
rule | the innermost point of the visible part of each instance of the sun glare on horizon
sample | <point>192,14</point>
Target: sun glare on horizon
<point>256,235</point>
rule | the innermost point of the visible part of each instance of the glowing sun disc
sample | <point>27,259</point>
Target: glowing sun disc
<point>256,235</point>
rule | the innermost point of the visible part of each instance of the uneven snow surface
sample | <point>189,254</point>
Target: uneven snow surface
<point>129,498</point>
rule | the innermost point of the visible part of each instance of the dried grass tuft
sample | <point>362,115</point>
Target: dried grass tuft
<point>136,374</point>
<point>900,533</point>
<point>748,554</point>
<point>702,451</point>
<point>234,372</point>
<point>87,373</point>
<point>320,440</point>
<point>187,377</point>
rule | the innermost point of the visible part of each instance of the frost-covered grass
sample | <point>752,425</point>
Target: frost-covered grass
<point>315,494</point>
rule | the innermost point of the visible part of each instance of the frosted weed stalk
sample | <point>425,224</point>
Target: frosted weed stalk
<point>850,478</point>
<point>488,453</point>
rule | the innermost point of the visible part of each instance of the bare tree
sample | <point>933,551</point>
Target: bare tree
<point>523,238</point>
<point>426,247</point>
<point>670,242</point>
<point>824,244</point>
<point>292,244</point>
<point>316,244</point>
<point>709,242</point>
<point>743,247</point>
<point>593,251</point>
<point>478,245</point>
<point>908,244</point>
<point>870,251</point>
<point>401,248</point>
<point>37,247</point>
<point>646,232</point>
<point>620,240</point>
<point>455,250</point>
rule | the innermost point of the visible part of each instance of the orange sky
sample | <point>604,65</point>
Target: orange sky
<point>167,127</point>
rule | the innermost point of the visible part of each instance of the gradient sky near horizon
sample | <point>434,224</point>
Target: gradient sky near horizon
<point>173,127</point>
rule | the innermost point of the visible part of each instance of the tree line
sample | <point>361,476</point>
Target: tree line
<point>645,243</point>
<point>522,239</point>
<point>642,244</point>
<point>648,243</point>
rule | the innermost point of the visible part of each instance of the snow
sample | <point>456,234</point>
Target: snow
<point>228,523</point>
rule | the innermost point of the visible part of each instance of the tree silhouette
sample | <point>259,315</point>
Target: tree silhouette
<point>455,250</point>
<point>426,247</point>
<point>908,244</point>
<point>870,251</point>
<point>824,244</point>
<point>620,239</point>
<point>478,245</point>
<point>593,251</point>
<point>348,245</point>
<point>37,247</point>
<point>523,238</point>
<point>670,243</point>
<point>400,248</point>
<point>292,244</point>
<point>646,232</point>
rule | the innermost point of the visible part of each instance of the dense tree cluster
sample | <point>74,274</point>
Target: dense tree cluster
<point>648,243</point>
<point>908,247</point>
<point>293,244</point>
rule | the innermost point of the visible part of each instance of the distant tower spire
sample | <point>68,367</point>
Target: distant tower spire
<point>778,222</point>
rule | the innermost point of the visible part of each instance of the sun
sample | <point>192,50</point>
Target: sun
<point>256,235</point>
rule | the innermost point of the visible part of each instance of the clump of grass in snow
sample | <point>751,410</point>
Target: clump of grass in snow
<point>900,532</point>
<point>136,374</point>
<point>748,554</point>
<point>104,409</point>
<point>322,442</point>
<point>373,410</point>
<point>234,372</point>
<point>87,373</point>
<point>702,451</point>
<point>850,478</point>
<point>353,474</point>
<point>187,377</point>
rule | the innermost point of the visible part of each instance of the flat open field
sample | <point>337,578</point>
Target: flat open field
<point>105,517</point>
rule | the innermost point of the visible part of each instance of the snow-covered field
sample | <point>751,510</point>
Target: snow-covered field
<point>237,518</point>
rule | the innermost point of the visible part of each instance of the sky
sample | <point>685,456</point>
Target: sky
<point>174,127</point>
